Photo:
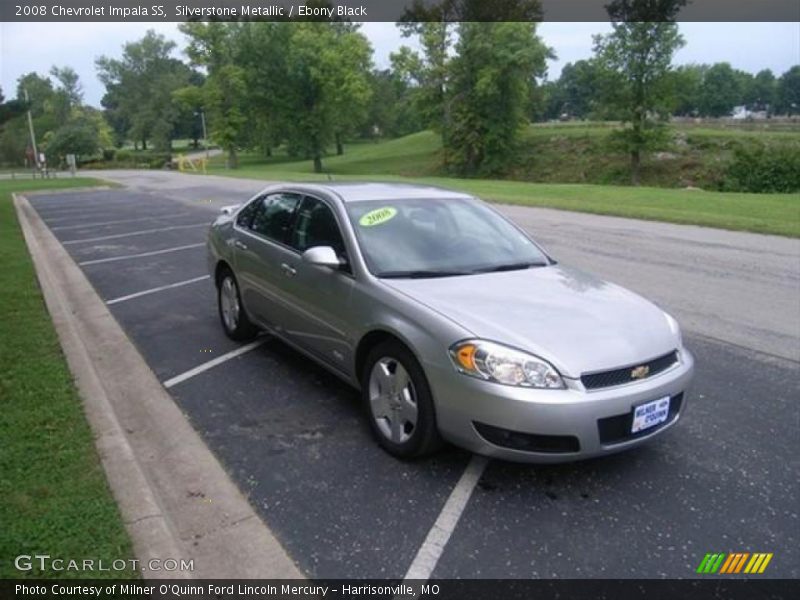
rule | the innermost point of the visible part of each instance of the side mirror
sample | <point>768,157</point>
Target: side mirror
<point>229,210</point>
<point>322,256</point>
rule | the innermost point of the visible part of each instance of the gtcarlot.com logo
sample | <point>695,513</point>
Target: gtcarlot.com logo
<point>735,562</point>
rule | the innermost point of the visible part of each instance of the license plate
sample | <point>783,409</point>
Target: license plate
<point>650,414</point>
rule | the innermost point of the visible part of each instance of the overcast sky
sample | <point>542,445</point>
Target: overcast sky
<point>26,47</point>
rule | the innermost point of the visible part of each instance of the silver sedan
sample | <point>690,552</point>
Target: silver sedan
<point>450,320</point>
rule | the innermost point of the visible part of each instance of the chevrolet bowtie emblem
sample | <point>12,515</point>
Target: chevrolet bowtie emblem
<point>640,372</point>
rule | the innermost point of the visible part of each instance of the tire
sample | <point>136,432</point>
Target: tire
<point>404,422</point>
<point>231,311</point>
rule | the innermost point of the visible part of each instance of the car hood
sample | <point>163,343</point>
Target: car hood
<point>577,322</point>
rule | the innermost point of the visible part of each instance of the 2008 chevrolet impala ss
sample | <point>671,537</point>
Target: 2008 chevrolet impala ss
<point>453,323</point>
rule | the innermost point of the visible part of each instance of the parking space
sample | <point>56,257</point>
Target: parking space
<point>293,438</point>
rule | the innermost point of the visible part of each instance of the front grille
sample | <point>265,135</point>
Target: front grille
<point>604,379</point>
<point>527,442</point>
<point>617,429</point>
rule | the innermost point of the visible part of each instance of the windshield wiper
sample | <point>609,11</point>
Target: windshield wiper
<point>510,267</point>
<point>420,274</point>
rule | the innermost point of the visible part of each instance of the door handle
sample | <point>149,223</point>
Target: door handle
<point>288,271</point>
<point>240,245</point>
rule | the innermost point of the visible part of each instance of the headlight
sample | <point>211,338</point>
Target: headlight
<point>675,328</point>
<point>501,364</point>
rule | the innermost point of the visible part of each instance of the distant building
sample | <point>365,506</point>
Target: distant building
<point>741,113</point>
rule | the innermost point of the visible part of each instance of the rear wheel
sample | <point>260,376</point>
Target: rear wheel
<point>234,319</point>
<point>398,402</point>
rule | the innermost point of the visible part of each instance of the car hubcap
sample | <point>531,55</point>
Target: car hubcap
<point>229,303</point>
<point>393,400</point>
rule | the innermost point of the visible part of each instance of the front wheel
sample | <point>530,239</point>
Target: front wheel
<point>231,311</point>
<point>398,402</point>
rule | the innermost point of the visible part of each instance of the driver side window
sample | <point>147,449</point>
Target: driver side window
<point>316,226</point>
<point>272,216</point>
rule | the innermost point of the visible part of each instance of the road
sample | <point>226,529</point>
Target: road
<point>738,288</point>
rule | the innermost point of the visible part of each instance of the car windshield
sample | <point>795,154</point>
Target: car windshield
<point>439,237</point>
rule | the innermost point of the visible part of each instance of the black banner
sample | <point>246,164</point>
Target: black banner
<point>377,10</point>
<point>716,587</point>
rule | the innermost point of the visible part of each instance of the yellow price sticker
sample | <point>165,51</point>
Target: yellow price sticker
<point>377,216</point>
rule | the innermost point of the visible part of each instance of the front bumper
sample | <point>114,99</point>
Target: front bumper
<point>562,425</point>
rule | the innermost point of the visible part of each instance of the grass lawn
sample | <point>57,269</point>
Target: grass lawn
<point>777,214</point>
<point>55,497</point>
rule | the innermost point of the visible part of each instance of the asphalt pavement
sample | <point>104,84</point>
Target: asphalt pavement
<point>294,439</point>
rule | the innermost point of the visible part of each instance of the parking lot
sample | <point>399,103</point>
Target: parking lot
<point>293,437</point>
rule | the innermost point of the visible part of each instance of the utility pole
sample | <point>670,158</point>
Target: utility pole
<point>205,135</point>
<point>30,127</point>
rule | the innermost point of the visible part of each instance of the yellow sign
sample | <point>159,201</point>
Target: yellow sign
<point>377,216</point>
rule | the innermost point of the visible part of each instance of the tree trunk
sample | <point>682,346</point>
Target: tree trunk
<point>268,151</point>
<point>639,117</point>
<point>195,143</point>
<point>233,158</point>
<point>317,163</point>
<point>635,164</point>
<point>144,144</point>
<point>339,147</point>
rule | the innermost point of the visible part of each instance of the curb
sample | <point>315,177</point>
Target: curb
<point>175,498</point>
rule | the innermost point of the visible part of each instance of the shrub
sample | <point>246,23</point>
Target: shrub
<point>765,169</point>
<point>146,159</point>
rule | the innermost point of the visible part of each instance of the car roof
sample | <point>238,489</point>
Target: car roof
<point>357,192</point>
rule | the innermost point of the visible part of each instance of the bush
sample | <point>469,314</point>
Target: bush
<point>765,169</point>
<point>140,159</point>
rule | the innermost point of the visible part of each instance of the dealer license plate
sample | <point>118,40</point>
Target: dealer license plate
<point>650,414</point>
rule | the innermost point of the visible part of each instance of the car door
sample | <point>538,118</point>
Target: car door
<point>261,234</point>
<point>320,296</point>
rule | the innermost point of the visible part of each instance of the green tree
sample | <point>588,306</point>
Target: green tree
<point>639,52</point>
<point>391,111</point>
<point>11,113</point>
<point>82,130</point>
<point>69,93</point>
<point>745,83</point>
<point>189,123</point>
<point>11,109</point>
<point>789,92</point>
<point>81,137</point>
<point>492,77</point>
<point>548,101</point>
<point>327,74</point>
<point>213,46</point>
<point>262,51</point>
<point>687,82</point>
<point>763,92</point>
<point>139,89</point>
<point>579,83</point>
<point>14,137</point>
<point>720,91</point>
<point>428,72</point>
<point>63,125</point>
<point>351,108</point>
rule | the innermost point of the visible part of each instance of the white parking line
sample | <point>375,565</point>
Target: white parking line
<point>97,261</point>
<point>79,218</point>
<point>119,222</point>
<point>132,233</point>
<point>428,555</point>
<point>84,209</point>
<point>212,363</point>
<point>156,290</point>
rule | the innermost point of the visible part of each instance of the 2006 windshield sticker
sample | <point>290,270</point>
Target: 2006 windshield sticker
<point>377,216</point>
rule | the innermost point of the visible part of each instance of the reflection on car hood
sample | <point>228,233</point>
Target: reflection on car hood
<point>574,320</point>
